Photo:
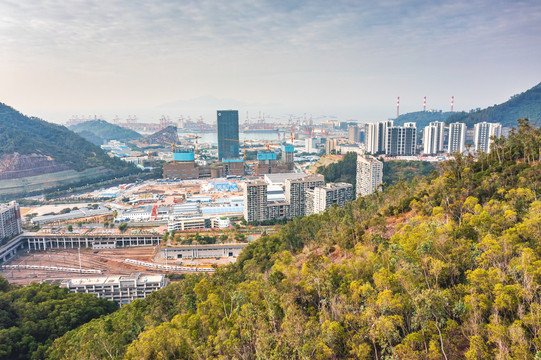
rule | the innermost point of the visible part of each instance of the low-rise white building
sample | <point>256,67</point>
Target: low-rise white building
<point>122,289</point>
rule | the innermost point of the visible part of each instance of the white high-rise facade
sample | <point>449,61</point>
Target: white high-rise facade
<point>433,138</point>
<point>369,174</point>
<point>376,136</point>
<point>401,140</point>
<point>323,197</point>
<point>255,201</point>
<point>457,138</point>
<point>10,220</point>
<point>483,134</point>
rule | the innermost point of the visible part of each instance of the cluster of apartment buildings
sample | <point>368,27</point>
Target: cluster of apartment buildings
<point>10,220</point>
<point>385,138</point>
<point>436,134</point>
<point>303,196</point>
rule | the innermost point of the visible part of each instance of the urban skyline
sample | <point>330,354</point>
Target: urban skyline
<point>347,59</point>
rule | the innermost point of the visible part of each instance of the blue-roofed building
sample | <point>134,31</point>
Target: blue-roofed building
<point>266,156</point>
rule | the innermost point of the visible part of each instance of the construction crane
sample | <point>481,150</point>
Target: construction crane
<point>267,143</point>
<point>173,148</point>
<point>244,146</point>
<point>194,137</point>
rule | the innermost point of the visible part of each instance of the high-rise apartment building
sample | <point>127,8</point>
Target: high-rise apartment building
<point>10,220</point>
<point>433,138</point>
<point>255,201</point>
<point>369,174</point>
<point>484,132</point>
<point>376,136</point>
<point>457,138</point>
<point>288,154</point>
<point>401,140</point>
<point>324,197</point>
<point>295,192</point>
<point>228,134</point>
<point>354,134</point>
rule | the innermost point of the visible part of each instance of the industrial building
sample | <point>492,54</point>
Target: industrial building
<point>73,214</point>
<point>201,251</point>
<point>121,289</point>
<point>369,174</point>
<point>10,220</point>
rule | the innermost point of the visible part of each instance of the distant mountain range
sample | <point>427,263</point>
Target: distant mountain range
<point>100,132</point>
<point>36,155</point>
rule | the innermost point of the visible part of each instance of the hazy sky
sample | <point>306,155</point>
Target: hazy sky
<point>346,58</point>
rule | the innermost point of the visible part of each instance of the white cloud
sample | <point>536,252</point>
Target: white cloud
<point>90,53</point>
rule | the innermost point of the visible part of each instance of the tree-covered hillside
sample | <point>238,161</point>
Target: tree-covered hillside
<point>345,170</point>
<point>524,105</point>
<point>33,316</point>
<point>102,132</point>
<point>422,118</point>
<point>443,267</point>
<point>30,135</point>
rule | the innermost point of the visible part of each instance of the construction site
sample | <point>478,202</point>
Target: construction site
<point>57,264</point>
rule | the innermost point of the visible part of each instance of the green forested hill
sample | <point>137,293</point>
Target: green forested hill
<point>520,106</point>
<point>33,316</point>
<point>30,135</point>
<point>444,267</point>
<point>103,132</point>
<point>345,170</point>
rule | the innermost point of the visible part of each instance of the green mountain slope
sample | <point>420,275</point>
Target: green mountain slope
<point>29,135</point>
<point>422,118</point>
<point>104,132</point>
<point>33,316</point>
<point>444,267</point>
<point>524,105</point>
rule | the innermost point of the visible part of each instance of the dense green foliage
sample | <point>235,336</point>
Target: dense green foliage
<point>30,135</point>
<point>524,105</point>
<point>422,118</point>
<point>32,317</point>
<point>396,170</point>
<point>100,131</point>
<point>344,170</point>
<point>444,267</point>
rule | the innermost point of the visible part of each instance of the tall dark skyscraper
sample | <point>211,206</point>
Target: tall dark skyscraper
<point>228,131</point>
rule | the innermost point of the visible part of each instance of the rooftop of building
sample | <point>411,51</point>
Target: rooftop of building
<point>113,279</point>
<point>280,179</point>
<point>7,205</point>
